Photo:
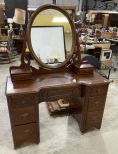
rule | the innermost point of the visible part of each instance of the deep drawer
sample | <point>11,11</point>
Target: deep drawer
<point>96,103</point>
<point>24,115</point>
<point>94,119</point>
<point>25,134</point>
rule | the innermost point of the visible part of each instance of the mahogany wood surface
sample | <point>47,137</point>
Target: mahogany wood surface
<point>86,96</point>
<point>53,80</point>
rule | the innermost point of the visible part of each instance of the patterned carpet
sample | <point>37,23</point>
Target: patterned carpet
<point>61,135</point>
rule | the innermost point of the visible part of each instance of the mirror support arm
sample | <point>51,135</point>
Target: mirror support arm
<point>24,71</point>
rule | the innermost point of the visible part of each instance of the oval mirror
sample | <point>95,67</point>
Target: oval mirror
<point>51,36</point>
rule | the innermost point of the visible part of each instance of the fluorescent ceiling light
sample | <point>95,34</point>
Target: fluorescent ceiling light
<point>59,19</point>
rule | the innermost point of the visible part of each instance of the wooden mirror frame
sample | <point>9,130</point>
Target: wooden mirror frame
<point>38,60</point>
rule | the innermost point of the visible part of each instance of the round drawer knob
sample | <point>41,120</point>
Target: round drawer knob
<point>24,115</point>
<point>27,131</point>
<point>97,102</point>
<point>23,102</point>
<point>94,118</point>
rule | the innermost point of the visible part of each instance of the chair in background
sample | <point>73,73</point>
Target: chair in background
<point>11,43</point>
<point>95,52</point>
<point>6,49</point>
<point>114,49</point>
<point>2,17</point>
<point>4,53</point>
<point>97,65</point>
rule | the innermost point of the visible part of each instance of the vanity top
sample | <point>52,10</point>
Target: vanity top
<point>53,80</point>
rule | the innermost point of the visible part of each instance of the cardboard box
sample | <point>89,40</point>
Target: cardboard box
<point>105,55</point>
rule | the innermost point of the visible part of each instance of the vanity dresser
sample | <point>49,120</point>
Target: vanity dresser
<point>61,75</point>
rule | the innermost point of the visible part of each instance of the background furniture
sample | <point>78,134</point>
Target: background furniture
<point>109,35</point>
<point>106,53</point>
<point>98,65</point>
<point>6,54</point>
<point>70,9</point>
<point>2,17</point>
<point>11,44</point>
<point>104,17</point>
<point>95,52</point>
<point>18,43</point>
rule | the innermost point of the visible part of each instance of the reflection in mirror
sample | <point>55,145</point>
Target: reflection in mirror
<point>51,37</point>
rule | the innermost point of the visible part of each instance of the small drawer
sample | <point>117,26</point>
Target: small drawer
<point>25,134</point>
<point>24,115</point>
<point>97,90</point>
<point>94,119</point>
<point>58,93</point>
<point>63,91</point>
<point>23,100</point>
<point>96,103</point>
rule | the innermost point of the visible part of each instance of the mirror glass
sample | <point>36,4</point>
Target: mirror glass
<point>51,37</point>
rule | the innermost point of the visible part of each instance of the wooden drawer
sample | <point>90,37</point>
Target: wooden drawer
<point>97,90</point>
<point>24,115</point>
<point>63,91</point>
<point>59,93</point>
<point>96,103</point>
<point>94,119</point>
<point>25,134</point>
<point>23,100</point>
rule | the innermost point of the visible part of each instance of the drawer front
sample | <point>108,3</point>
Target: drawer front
<point>94,119</point>
<point>63,91</point>
<point>25,134</point>
<point>97,90</point>
<point>96,103</point>
<point>24,115</point>
<point>23,100</point>
<point>58,93</point>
